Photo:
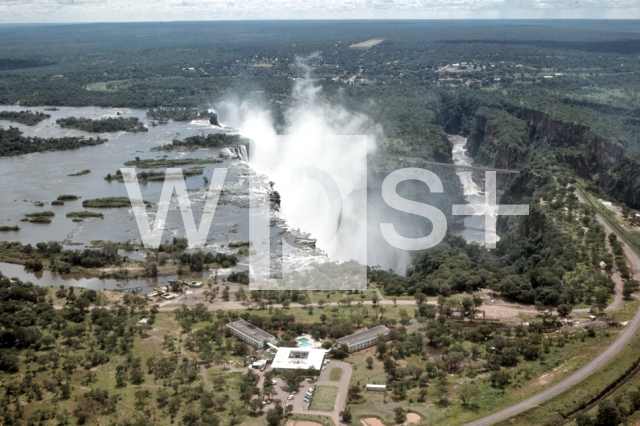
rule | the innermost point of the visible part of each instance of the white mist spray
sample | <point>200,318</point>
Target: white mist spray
<point>309,121</point>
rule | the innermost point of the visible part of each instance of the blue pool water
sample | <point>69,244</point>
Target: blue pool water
<point>304,342</point>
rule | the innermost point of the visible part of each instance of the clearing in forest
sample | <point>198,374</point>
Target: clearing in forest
<point>367,44</point>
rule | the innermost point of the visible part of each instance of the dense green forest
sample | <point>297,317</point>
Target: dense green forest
<point>29,118</point>
<point>104,125</point>
<point>212,140</point>
<point>13,143</point>
<point>163,115</point>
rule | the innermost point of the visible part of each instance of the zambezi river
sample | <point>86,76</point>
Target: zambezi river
<point>473,231</point>
<point>31,179</point>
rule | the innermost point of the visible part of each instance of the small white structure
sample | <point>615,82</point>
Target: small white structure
<point>142,322</point>
<point>376,388</point>
<point>602,265</point>
<point>152,294</point>
<point>168,296</point>
<point>298,359</point>
<point>260,364</point>
<point>195,284</point>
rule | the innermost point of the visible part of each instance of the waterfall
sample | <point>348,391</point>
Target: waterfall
<point>240,151</point>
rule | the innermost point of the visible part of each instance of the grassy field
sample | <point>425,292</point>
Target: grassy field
<point>555,366</point>
<point>584,391</point>
<point>335,374</point>
<point>366,44</point>
<point>324,398</point>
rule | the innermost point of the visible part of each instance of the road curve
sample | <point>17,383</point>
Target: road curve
<point>603,358</point>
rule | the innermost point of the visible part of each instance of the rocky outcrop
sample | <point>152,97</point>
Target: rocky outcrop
<point>502,138</point>
<point>602,153</point>
<point>498,139</point>
<point>623,181</point>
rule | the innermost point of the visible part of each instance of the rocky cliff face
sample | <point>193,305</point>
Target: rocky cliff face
<point>623,181</point>
<point>601,153</point>
<point>587,152</point>
<point>498,139</point>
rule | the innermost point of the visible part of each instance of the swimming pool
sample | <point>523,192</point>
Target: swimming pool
<point>304,342</point>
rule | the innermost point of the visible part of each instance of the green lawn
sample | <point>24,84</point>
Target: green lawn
<point>324,398</point>
<point>335,374</point>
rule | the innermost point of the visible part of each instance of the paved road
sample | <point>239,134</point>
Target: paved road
<point>323,380</point>
<point>623,339</point>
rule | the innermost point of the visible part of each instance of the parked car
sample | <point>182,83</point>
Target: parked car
<point>274,382</point>
<point>311,389</point>
<point>309,379</point>
<point>290,397</point>
<point>168,296</point>
<point>306,400</point>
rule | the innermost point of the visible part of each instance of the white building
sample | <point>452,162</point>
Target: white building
<point>298,359</point>
<point>376,388</point>
<point>250,334</point>
<point>364,339</point>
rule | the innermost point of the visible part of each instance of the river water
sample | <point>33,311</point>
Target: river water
<point>473,231</point>
<point>42,177</point>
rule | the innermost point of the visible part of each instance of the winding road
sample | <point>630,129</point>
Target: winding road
<point>603,358</point>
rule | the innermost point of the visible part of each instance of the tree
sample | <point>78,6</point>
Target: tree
<point>381,348</point>
<point>399,415</point>
<point>466,393</point>
<point>453,359</point>
<point>240,349</point>
<point>346,416</point>
<point>630,287</point>
<point>354,391</point>
<point>274,416</point>
<point>608,414</point>
<point>442,389</point>
<point>255,405</point>
<point>564,310</point>
<point>584,419</point>
<point>136,376</point>
<point>9,363</point>
<point>121,376</point>
<point>500,379</point>
<point>369,362</point>
<point>601,297</point>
